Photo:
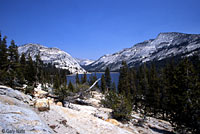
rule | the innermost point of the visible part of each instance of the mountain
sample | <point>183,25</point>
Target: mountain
<point>165,45</point>
<point>55,56</point>
<point>84,62</point>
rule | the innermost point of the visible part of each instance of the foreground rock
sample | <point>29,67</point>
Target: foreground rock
<point>15,94</point>
<point>66,120</point>
<point>17,117</point>
<point>42,104</point>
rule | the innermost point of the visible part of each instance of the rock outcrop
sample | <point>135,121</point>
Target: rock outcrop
<point>15,94</point>
<point>82,122</point>
<point>17,116</point>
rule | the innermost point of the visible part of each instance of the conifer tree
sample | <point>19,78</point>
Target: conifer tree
<point>84,78</point>
<point>77,79</point>
<point>186,84</point>
<point>163,94</point>
<point>23,64</point>
<point>63,78</point>
<point>71,87</point>
<point>61,93</point>
<point>132,84</point>
<point>108,78</point>
<point>39,66</point>
<point>56,83</point>
<point>3,54</point>
<point>113,87</point>
<point>123,85</point>
<point>122,109</point>
<point>13,67</point>
<point>30,71</point>
<point>119,104</point>
<point>13,52</point>
<point>170,78</point>
<point>3,60</point>
<point>94,79</point>
<point>142,88</point>
<point>153,94</point>
<point>110,99</point>
<point>103,84</point>
<point>91,80</point>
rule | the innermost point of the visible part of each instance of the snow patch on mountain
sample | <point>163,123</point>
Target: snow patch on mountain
<point>54,56</point>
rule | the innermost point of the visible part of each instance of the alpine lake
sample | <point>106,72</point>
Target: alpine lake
<point>114,77</point>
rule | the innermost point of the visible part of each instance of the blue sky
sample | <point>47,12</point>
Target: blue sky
<point>92,28</point>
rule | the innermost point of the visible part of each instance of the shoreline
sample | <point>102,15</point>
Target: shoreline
<point>88,73</point>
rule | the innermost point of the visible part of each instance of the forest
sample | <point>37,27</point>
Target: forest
<point>170,92</point>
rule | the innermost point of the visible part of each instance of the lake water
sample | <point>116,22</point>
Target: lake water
<point>114,77</point>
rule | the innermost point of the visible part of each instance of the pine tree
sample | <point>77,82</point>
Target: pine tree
<point>153,94</point>
<point>3,60</point>
<point>77,79</point>
<point>92,79</point>
<point>39,66</point>
<point>103,84</point>
<point>181,96</point>
<point>56,83</point>
<point>119,104</point>
<point>13,52</point>
<point>61,93</point>
<point>186,83</point>
<point>95,79</point>
<point>122,108</point>
<point>110,99</point>
<point>84,78</point>
<point>30,75</point>
<point>123,86</point>
<point>23,65</point>
<point>113,87</point>
<point>132,84</point>
<point>163,94</point>
<point>63,80</point>
<point>71,87</point>
<point>142,88</point>
<point>3,54</point>
<point>108,78</point>
<point>14,73</point>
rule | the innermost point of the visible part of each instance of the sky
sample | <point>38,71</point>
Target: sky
<point>89,29</point>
